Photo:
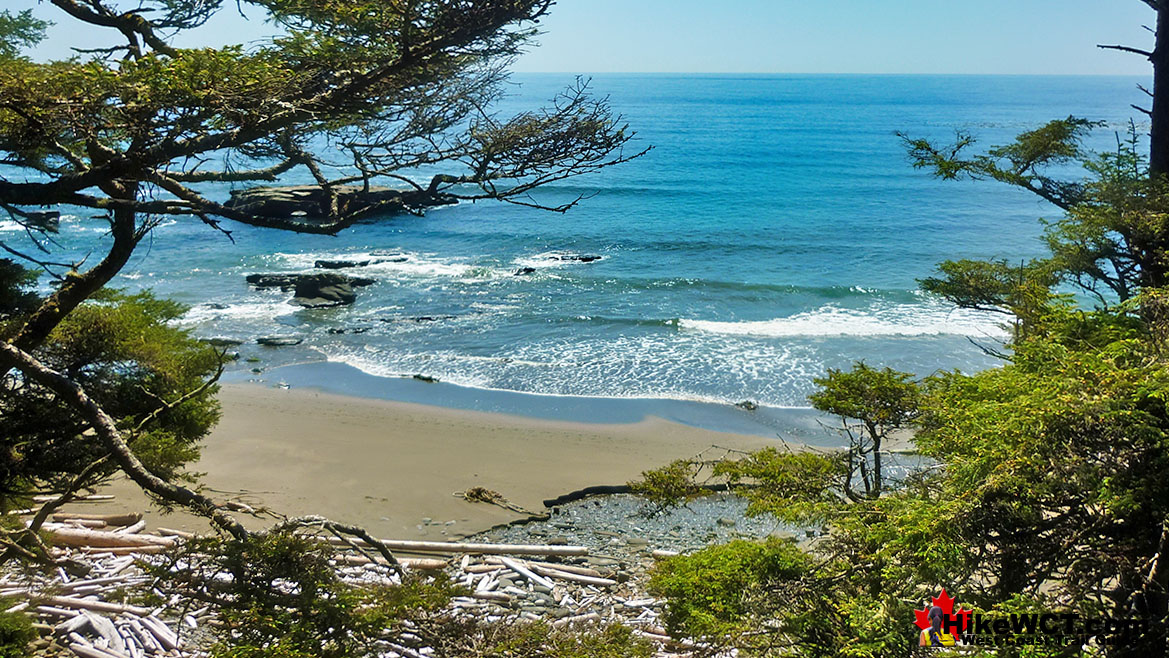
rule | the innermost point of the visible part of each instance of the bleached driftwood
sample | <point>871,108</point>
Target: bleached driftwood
<point>482,549</point>
<point>110,519</point>
<point>572,577</point>
<point>66,536</point>
<point>515,566</point>
<point>74,603</point>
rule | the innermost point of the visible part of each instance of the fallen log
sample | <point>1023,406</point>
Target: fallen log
<point>515,566</point>
<point>132,529</point>
<point>570,568</point>
<point>407,546</point>
<point>572,577</point>
<point>144,549</point>
<point>85,523</point>
<point>66,536</point>
<point>74,603</point>
<point>89,651</point>
<point>95,498</point>
<point>110,519</point>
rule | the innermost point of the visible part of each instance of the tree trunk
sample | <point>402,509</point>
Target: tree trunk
<point>1159,134</point>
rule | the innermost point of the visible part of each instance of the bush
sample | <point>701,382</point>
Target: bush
<point>668,486</point>
<point>538,640</point>
<point>16,632</point>
<point>711,593</point>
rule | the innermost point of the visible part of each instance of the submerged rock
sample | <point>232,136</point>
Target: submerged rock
<point>525,270</point>
<point>346,264</point>
<point>220,341</point>
<point>279,341</point>
<point>576,258</point>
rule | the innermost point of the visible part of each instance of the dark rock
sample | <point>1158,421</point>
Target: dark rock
<point>340,264</point>
<point>748,405</point>
<point>293,281</point>
<point>345,264</point>
<point>279,341</point>
<point>216,306</point>
<point>324,291</point>
<point>576,258</point>
<point>420,318</point>
<point>525,270</point>
<point>282,281</point>
<point>725,522</point>
<point>305,205</point>
<point>426,378</point>
<point>220,341</point>
<point>48,220</point>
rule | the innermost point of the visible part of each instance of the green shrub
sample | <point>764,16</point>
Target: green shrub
<point>668,486</point>
<point>711,593</point>
<point>538,640</point>
<point>16,632</point>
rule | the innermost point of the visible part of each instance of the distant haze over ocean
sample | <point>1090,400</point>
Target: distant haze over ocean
<point>775,230</point>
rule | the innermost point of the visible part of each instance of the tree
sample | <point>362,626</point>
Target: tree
<point>155,381</point>
<point>882,402</point>
<point>135,130</point>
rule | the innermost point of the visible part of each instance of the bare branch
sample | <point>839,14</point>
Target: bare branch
<point>1126,49</point>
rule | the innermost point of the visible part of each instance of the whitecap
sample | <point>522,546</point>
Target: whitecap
<point>896,320</point>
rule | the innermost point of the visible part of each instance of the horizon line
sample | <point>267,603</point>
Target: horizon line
<point>850,73</point>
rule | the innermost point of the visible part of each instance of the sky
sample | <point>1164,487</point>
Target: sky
<point>781,36</point>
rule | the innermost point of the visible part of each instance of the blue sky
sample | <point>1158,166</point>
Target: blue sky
<point>788,36</point>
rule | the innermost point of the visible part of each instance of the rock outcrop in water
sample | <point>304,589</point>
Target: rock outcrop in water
<point>323,291</point>
<point>291,281</point>
<point>346,264</point>
<point>278,341</point>
<point>314,290</point>
<point>576,258</point>
<point>306,204</point>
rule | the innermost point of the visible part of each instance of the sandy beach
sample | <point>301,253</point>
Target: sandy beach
<point>389,465</point>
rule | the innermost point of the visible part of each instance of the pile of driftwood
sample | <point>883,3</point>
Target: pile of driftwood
<point>90,615</point>
<point>505,583</point>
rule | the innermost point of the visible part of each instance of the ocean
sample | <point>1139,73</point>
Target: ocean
<point>775,230</point>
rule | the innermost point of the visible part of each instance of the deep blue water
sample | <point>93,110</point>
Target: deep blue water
<point>775,230</point>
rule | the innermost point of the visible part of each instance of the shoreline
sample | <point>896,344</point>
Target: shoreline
<point>796,424</point>
<point>390,465</point>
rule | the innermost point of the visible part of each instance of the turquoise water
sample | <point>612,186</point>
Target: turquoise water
<point>775,230</point>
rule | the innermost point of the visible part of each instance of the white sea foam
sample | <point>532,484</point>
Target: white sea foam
<point>644,366</point>
<point>897,320</point>
<point>388,265</point>
<point>239,311</point>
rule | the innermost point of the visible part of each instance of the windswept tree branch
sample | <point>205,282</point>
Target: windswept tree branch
<point>111,438</point>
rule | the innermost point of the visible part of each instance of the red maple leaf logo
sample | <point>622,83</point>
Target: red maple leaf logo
<point>943,600</point>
